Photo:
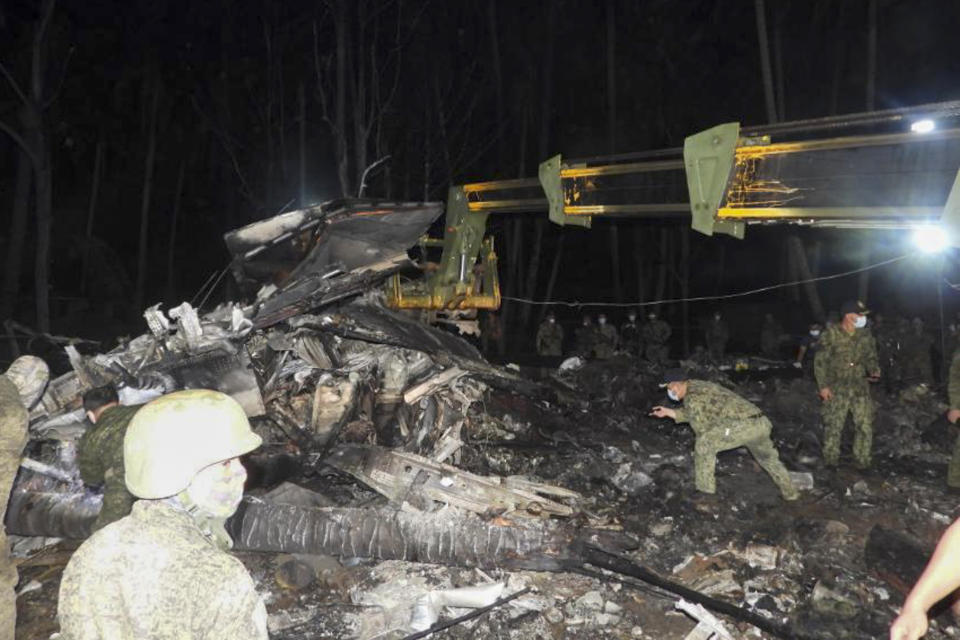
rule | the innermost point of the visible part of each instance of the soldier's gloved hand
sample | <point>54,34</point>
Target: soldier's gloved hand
<point>826,394</point>
<point>953,415</point>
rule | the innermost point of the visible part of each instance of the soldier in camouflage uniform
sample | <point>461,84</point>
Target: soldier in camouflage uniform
<point>722,420</point>
<point>585,335</point>
<point>606,339</point>
<point>953,395</point>
<point>655,334</point>
<point>845,362</point>
<point>20,388</point>
<point>100,453</point>
<point>717,334</point>
<point>550,337</point>
<point>161,572</point>
<point>630,335</point>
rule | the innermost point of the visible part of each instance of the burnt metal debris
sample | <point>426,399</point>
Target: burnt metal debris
<point>395,443</point>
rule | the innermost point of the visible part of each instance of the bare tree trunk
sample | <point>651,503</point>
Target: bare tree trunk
<point>638,255</point>
<point>664,263</point>
<point>13,263</point>
<point>612,138</point>
<point>546,107</point>
<point>145,199</point>
<point>172,246</point>
<point>554,272</point>
<point>533,268</point>
<point>871,85</point>
<point>721,265</point>
<point>91,213</point>
<point>343,158</point>
<point>685,284</point>
<point>838,60</point>
<point>765,60</point>
<point>497,77</point>
<point>44,203</point>
<point>778,62</point>
<point>302,103</point>
<point>863,282</point>
<point>795,246</point>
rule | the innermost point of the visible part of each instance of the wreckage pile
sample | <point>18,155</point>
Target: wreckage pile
<point>405,481</point>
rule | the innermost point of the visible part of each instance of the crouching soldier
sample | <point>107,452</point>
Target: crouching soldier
<point>722,420</point>
<point>100,452</point>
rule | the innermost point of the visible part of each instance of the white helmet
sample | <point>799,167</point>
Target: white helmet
<point>173,437</point>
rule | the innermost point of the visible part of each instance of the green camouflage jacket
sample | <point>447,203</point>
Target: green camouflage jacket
<point>155,575</point>
<point>549,337</point>
<point>709,406</point>
<point>844,360</point>
<point>953,385</point>
<point>717,331</point>
<point>101,447</point>
<point>656,332</point>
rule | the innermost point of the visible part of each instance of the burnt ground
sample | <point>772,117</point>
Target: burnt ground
<point>802,562</point>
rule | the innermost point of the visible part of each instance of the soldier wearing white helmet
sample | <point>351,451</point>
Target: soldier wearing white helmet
<point>20,389</point>
<point>161,572</point>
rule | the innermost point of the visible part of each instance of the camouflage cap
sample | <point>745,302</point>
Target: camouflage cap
<point>30,375</point>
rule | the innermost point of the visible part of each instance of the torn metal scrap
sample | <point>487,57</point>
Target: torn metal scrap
<point>319,255</point>
<point>402,476</point>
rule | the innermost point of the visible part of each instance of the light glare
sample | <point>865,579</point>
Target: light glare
<point>923,126</point>
<point>930,239</point>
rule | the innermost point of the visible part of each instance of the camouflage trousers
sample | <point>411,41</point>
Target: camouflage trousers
<point>603,351</point>
<point>953,471</point>
<point>8,570</point>
<point>657,352</point>
<point>752,433</point>
<point>834,413</point>
<point>716,350</point>
<point>117,501</point>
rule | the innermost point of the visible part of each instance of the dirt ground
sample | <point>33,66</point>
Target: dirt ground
<point>801,563</point>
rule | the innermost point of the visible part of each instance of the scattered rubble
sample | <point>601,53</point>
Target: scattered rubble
<point>402,474</point>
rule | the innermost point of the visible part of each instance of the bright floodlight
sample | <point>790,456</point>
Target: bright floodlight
<point>930,239</point>
<point>923,126</point>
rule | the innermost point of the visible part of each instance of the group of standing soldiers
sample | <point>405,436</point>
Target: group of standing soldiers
<point>602,340</point>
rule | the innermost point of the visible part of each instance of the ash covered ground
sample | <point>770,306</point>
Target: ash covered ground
<point>834,564</point>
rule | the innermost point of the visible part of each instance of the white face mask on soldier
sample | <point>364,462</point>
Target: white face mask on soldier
<point>860,322</point>
<point>673,395</point>
<point>218,489</point>
<point>814,332</point>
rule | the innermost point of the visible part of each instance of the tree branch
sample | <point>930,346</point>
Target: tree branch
<point>13,83</point>
<point>10,131</point>
<point>63,77</point>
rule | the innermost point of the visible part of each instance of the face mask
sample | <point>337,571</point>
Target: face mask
<point>815,332</point>
<point>717,318</point>
<point>602,321</point>
<point>217,490</point>
<point>551,320</point>
<point>632,318</point>
<point>860,322</point>
<point>673,395</point>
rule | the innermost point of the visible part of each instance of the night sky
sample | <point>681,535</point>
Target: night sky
<point>452,91</point>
